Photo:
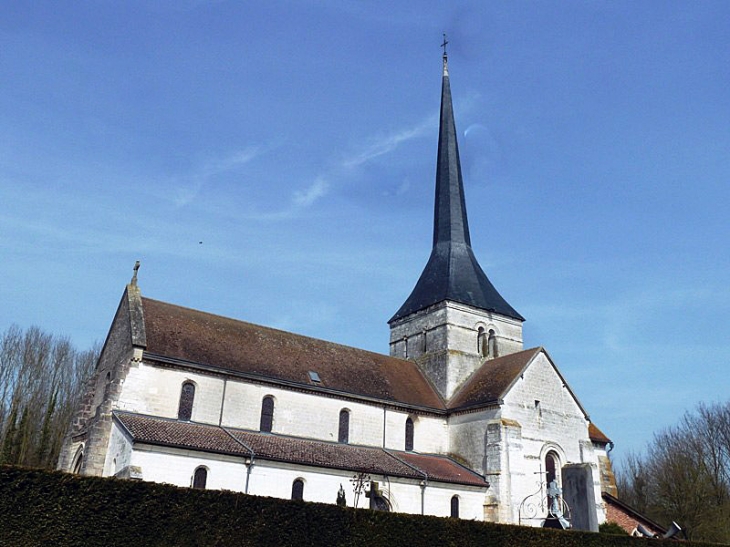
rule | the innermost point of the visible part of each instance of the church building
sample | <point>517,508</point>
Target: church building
<point>458,420</point>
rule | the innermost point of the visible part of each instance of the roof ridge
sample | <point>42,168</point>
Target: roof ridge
<point>414,467</point>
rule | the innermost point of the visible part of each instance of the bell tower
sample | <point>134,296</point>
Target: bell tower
<point>454,319</point>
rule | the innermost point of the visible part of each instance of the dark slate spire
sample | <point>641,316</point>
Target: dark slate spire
<point>452,272</point>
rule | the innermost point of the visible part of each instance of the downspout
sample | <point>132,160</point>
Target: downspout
<point>249,462</point>
<point>423,484</point>
<point>223,401</point>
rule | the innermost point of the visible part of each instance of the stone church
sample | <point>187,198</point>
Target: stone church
<point>459,420</point>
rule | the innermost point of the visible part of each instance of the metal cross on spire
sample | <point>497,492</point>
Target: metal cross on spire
<point>445,44</point>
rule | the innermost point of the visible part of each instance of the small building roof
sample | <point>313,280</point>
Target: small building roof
<point>267,446</point>
<point>596,435</point>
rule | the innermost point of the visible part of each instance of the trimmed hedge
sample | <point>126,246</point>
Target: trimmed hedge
<point>51,508</point>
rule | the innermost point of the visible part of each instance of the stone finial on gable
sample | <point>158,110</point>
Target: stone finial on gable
<point>134,276</point>
<point>136,311</point>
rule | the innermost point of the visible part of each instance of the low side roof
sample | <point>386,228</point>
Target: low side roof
<point>596,435</point>
<point>203,338</point>
<point>267,446</point>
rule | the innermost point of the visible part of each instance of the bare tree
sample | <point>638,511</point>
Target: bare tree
<point>684,475</point>
<point>41,377</point>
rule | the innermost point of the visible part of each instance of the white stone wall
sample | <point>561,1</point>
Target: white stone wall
<point>275,479</point>
<point>444,341</point>
<point>454,326</point>
<point>550,419</point>
<point>176,466</point>
<point>155,390</point>
<point>509,444</point>
<point>119,453</point>
<point>430,434</point>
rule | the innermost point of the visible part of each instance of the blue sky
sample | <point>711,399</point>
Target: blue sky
<point>274,162</point>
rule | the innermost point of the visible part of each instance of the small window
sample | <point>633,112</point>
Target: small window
<point>343,436</point>
<point>78,462</point>
<point>551,464</point>
<point>482,346</point>
<point>267,414</point>
<point>492,345</point>
<point>409,434</point>
<point>200,478</point>
<point>297,490</point>
<point>455,507</point>
<point>187,395</point>
<point>314,377</point>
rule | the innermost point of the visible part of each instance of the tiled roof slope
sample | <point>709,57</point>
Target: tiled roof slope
<point>596,435</point>
<point>492,380</point>
<point>207,339</point>
<point>266,446</point>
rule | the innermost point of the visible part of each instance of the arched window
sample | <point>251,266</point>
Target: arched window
<point>267,414</point>
<point>492,344</point>
<point>187,394</point>
<point>551,467</point>
<point>78,462</point>
<point>343,435</point>
<point>200,478</point>
<point>455,506</point>
<point>297,490</point>
<point>409,434</point>
<point>482,346</point>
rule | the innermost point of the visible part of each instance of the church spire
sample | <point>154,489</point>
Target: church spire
<point>452,272</point>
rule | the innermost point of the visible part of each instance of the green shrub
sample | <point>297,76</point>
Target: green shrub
<point>50,508</point>
<point>610,527</point>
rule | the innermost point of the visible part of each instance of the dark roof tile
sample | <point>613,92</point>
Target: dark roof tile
<point>207,339</point>
<point>490,382</point>
<point>266,446</point>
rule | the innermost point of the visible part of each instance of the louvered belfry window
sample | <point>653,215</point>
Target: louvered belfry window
<point>267,414</point>
<point>343,435</point>
<point>187,395</point>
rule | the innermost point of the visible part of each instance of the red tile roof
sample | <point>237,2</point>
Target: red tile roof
<point>266,446</point>
<point>596,435</point>
<point>211,340</point>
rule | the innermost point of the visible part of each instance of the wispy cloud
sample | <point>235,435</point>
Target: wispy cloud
<point>305,198</point>
<point>385,144</point>
<point>190,186</point>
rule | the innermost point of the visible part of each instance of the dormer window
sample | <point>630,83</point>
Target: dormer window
<point>314,377</point>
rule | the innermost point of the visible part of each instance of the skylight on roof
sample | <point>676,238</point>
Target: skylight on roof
<point>314,377</point>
